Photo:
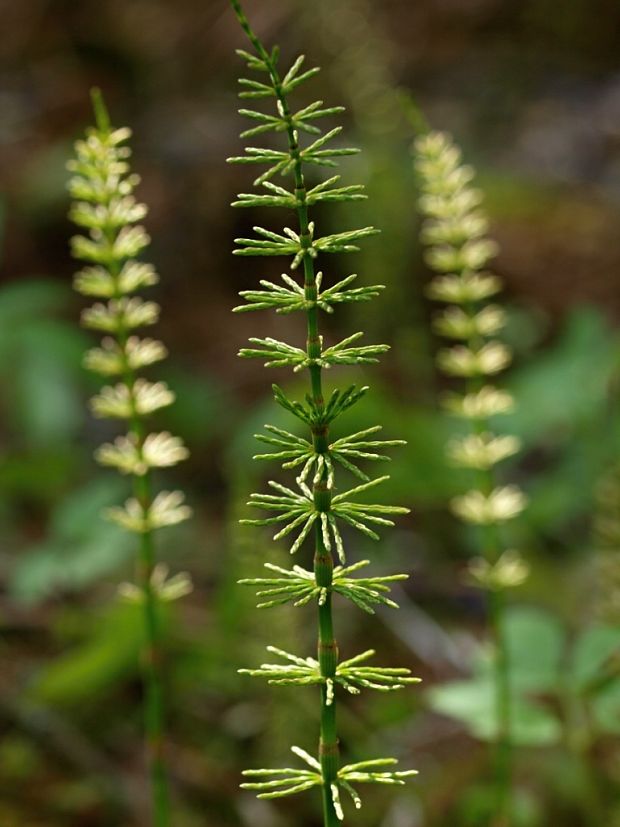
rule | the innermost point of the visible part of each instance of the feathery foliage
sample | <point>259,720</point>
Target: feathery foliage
<point>458,250</point>
<point>312,510</point>
<point>102,186</point>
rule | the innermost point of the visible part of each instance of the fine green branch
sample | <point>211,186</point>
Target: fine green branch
<point>312,510</point>
<point>102,186</point>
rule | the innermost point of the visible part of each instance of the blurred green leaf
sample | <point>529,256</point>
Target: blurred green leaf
<point>563,409</point>
<point>595,672</point>
<point>593,649</point>
<point>536,644</point>
<point>473,702</point>
<point>27,300</point>
<point>109,653</point>
<point>479,802</point>
<point>81,547</point>
<point>535,641</point>
<point>606,709</point>
<point>568,382</point>
<point>35,474</point>
<point>45,405</point>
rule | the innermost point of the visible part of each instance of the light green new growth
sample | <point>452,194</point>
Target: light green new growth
<point>454,232</point>
<point>104,205</point>
<point>313,509</point>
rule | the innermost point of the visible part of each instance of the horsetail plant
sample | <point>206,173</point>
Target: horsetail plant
<point>313,509</point>
<point>102,186</point>
<point>454,231</point>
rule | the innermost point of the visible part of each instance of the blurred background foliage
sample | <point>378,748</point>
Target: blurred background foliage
<point>532,92</point>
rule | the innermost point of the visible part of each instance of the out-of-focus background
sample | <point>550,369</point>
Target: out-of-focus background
<point>532,92</point>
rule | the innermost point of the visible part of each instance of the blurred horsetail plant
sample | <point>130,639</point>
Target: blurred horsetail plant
<point>313,509</point>
<point>454,231</point>
<point>104,205</point>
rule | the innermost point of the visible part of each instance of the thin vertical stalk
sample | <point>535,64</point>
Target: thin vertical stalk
<point>154,723</point>
<point>104,204</point>
<point>496,602</point>
<point>154,726</point>
<point>153,685</point>
<point>323,560</point>
<point>154,717</point>
<point>315,507</point>
<point>458,250</point>
<point>503,705</point>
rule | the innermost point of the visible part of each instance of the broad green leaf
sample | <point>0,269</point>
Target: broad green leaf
<point>535,644</point>
<point>473,703</point>
<point>559,389</point>
<point>535,641</point>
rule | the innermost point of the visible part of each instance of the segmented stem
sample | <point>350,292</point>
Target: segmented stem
<point>315,506</point>
<point>153,685</point>
<point>151,657</point>
<point>323,561</point>
<point>154,719</point>
<point>455,232</point>
<point>491,548</point>
<point>105,206</point>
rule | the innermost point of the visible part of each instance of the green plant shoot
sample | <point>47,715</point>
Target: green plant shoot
<point>104,206</point>
<point>458,250</point>
<point>313,510</point>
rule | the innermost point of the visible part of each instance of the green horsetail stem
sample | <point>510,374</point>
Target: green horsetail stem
<point>454,233</point>
<point>104,206</point>
<point>312,510</point>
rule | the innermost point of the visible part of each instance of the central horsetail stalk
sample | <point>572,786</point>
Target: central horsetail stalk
<point>102,187</point>
<point>313,509</point>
